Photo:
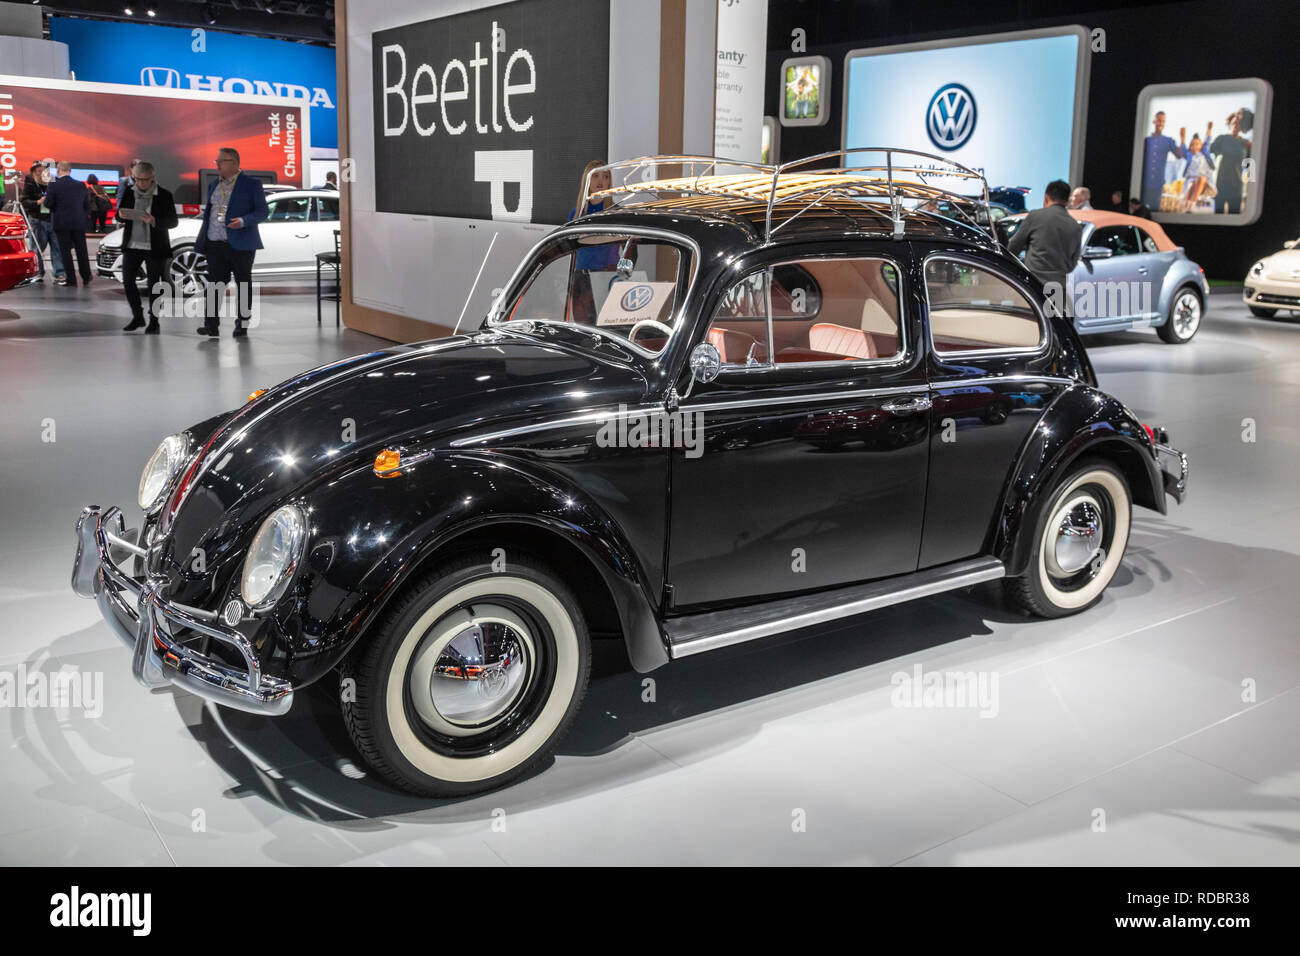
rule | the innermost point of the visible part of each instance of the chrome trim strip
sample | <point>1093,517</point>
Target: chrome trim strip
<point>995,379</point>
<point>583,419</point>
<point>909,587</point>
<point>811,397</point>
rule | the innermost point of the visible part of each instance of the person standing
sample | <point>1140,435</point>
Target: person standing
<point>99,204</point>
<point>230,240</point>
<point>331,182</point>
<point>33,200</point>
<point>1051,240</point>
<point>1231,150</point>
<point>1081,198</point>
<point>1157,148</point>
<point>1135,208</point>
<point>148,212</point>
<point>69,203</point>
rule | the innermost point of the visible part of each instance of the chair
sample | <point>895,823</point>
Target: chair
<point>333,260</point>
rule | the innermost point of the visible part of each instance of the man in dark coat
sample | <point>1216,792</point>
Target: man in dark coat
<point>148,211</point>
<point>1051,241</point>
<point>69,204</point>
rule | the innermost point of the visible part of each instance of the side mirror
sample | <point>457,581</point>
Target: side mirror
<point>1097,252</point>
<point>1289,244</point>
<point>705,363</point>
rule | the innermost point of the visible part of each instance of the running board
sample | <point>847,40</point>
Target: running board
<point>710,630</point>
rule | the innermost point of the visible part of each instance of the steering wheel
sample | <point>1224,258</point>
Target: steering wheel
<point>651,323</point>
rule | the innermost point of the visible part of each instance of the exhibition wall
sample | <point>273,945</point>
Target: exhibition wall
<point>1167,43</point>
<point>468,126</point>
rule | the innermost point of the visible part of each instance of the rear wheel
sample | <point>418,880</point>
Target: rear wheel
<point>1080,535</point>
<point>470,680</point>
<point>1261,312</point>
<point>1184,317</point>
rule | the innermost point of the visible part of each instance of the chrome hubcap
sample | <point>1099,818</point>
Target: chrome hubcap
<point>470,669</point>
<point>187,272</point>
<point>1078,538</point>
<point>1187,314</point>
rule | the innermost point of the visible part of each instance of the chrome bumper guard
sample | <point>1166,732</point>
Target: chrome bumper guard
<point>142,618</point>
<point>1173,466</point>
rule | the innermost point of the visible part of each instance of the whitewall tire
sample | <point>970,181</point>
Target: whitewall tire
<point>1080,534</point>
<point>470,680</point>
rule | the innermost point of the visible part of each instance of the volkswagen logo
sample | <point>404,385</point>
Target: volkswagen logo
<point>637,298</point>
<point>160,76</point>
<point>950,118</point>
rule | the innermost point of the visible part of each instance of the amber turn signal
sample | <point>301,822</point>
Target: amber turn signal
<point>256,392</point>
<point>387,463</point>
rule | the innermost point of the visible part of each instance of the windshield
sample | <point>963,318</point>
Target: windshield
<point>626,286</point>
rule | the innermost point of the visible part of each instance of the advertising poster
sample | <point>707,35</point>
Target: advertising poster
<point>958,99</point>
<point>491,114</point>
<point>100,126</point>
<point>1199,152</point>
<point>805,91</point>
<point>741,76</point>
<point>101,51</point>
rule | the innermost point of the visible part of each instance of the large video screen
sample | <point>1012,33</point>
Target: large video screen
<point>1199,151</point>
<point>102,126</point>
<point>969,101</point>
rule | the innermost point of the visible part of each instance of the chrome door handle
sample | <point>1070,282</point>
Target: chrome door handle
<point>1142,269</point>
<point>907,406</point>
<point>302,235</point>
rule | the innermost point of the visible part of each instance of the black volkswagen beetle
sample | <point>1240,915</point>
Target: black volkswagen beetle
<point>730,406</point>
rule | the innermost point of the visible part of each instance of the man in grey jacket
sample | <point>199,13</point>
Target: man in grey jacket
<point>1051,241</point>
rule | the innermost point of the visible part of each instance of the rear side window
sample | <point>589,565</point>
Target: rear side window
<point>973,309</point>
<point>1120,240</point>
<point>821,310</point>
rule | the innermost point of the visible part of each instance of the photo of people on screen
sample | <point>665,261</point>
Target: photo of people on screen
<point>801,91</point>
<point>1208,173</point>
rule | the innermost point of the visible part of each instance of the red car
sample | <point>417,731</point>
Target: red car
<point>17,262</point>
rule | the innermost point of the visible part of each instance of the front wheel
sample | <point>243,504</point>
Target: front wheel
<point>1184,318</point>
<point>1080,535</point>
<point>1262,313</point>
<point>470,680</point>
<point>188,270</point>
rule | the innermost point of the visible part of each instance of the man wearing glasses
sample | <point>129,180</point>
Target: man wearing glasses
<point>229,239</point>
<point>148,211</point>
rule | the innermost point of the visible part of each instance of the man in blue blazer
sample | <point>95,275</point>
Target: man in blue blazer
<point>68,201</point>
<point>229,238</point>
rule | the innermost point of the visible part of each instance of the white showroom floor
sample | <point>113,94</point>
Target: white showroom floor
<point>1158,728</point>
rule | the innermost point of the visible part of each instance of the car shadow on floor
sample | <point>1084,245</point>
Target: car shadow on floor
<point>304,763</point>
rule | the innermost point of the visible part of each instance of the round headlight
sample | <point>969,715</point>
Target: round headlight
<point>159,471</point>
<point>272,556</point>
<point>1257,269</point>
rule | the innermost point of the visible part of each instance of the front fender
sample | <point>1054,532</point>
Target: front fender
<point>1082,420</point>
<point>370,535</point>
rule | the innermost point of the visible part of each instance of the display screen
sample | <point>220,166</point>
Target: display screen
<point>805,91</point>
<point>969,102</point>
<point>102,127</point>
<point>102,51</point>
<point>491,114</point>
<point>1199,154</point>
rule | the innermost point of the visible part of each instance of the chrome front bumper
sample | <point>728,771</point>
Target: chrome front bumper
<point>145,620</point>
<point>1173,467</point>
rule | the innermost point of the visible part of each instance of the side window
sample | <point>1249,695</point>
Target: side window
<point>822,310</point>
<point>973,309</point>
<point>1120,240</point>
<point>327,210</point>
<point>288,210</point>
<point>1148,244</point>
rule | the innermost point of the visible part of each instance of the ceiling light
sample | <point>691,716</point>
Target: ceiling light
<point>150,13</point>
<point>128,11</point>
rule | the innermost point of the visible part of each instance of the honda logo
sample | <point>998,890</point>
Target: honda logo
<point>950,118</point>
<point>160,76</point>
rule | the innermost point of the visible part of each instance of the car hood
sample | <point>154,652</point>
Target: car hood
<point>331,420</point>
<point>1282,262</point>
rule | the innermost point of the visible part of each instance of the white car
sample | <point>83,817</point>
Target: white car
<point>1274,282</point>
<point>299,224</point>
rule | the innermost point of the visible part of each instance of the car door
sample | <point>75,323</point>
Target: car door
<point>1153,266</point>
<point>991,378</point>
<point>1109,292</point>
<point>811,473</point>
<point>286,236</point>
